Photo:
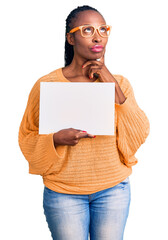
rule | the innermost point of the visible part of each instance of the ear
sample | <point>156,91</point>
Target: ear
<point>70,38</point>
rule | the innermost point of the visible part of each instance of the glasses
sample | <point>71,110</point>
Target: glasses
<point>89,30</point>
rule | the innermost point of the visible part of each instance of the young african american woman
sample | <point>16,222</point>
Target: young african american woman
<point>86,177</point>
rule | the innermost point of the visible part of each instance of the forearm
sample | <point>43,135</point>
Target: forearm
<point>119,96</point>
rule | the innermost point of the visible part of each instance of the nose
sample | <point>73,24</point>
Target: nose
<point>96,37</point>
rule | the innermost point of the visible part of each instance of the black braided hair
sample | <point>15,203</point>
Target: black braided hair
<point>69,52</point>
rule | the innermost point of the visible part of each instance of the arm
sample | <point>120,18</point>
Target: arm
<point>132,126</point>
<point>38,150</point>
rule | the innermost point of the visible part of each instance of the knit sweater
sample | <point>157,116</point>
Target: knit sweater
<point>93,164</point>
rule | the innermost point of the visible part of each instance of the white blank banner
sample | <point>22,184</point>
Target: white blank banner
<point>87,106</point>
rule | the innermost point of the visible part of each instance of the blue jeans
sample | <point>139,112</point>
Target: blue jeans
<point>103,214</point>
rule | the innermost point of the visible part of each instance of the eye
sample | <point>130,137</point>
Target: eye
<point>88,29</point>
<point>103,29</point>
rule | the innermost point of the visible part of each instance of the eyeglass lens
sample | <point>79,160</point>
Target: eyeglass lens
<point>88,31</point>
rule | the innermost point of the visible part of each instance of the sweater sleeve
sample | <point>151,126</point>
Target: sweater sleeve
<point>132,126</point>
<point>38,149</point>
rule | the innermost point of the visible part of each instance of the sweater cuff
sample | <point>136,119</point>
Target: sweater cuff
<point>131,161</point>
<point>124,107</point>
<point>59,151</point>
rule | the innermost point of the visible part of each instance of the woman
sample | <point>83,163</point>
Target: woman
<point>86,179</point>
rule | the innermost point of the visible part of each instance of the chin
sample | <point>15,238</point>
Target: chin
<point>96,56</point>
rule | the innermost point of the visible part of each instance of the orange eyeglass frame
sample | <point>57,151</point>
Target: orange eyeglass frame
<point>95,28</point>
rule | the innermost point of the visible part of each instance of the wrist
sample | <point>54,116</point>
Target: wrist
<point>55,139</point>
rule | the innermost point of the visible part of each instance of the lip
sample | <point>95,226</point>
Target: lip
<point>97,48</point>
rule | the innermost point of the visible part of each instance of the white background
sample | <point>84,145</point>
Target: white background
<point>32,45</point>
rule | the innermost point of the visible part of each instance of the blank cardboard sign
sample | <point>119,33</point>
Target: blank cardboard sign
<point>87,106</point>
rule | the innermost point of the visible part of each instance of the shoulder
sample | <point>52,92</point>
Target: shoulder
<point>34,95</point>
<point>50,77</point>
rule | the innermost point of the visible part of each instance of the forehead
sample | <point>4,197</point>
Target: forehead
<point>89,17</point>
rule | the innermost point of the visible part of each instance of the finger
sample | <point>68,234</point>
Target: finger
<point>90,73</point>
<point>101,60</point>
<point>90,135</point>
<point>94,70</point>
<point>80,130</point>
<point>81,135</point>
<point>90,62</point>
<point>96,67</point>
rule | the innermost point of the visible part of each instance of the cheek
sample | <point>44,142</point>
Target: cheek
<point>82,44</point>
<point>105,41</point>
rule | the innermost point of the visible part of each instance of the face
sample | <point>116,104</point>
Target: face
<point>83,46</point>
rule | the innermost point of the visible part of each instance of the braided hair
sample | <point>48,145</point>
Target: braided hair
<point>69,52</point>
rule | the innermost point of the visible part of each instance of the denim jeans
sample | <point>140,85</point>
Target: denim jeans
<point>100,216</point>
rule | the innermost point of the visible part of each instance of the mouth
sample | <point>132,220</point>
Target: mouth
<point>97,48</point>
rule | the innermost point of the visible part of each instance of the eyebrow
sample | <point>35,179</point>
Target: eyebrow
<point>92,24</point>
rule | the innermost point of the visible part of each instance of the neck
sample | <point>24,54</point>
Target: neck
<point>76,66</point>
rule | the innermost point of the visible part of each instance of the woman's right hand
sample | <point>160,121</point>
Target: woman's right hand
<point>70,136</point>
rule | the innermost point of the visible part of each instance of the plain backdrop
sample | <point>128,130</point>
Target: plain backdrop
<point>32,45</point>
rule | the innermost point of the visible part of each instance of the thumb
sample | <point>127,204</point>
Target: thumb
<point>102,59</point>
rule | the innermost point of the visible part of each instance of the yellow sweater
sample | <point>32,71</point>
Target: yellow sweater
<point>93,164</point>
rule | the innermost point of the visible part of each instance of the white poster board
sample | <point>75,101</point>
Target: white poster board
<point>87,106</point>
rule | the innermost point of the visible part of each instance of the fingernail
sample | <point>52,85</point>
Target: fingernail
<point>94,136</point>
<point>84,131</point>
<point>82,66</point>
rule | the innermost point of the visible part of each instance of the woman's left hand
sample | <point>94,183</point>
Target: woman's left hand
<point>99,68</point>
